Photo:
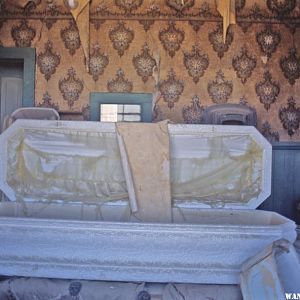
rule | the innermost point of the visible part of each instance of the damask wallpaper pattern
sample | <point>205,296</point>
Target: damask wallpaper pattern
<point>48,61</point>
<point>144,63</point>
<point>23,34</point>
<point>70,37</point>
<point>98,62</point>
<point>171,49</point>
<point>267,90</point>
<point>193,114</point>
<point>220,89</point>
<point>121,37</point>
<point>70,87</point>
<point>196,63</point>
<point>120,84</point>
<point>171,38</point>
<point>243,64</point>
<point>268,40</point>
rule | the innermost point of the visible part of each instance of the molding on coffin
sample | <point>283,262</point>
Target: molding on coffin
<point>133,251</point>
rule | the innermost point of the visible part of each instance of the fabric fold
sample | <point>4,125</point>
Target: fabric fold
<point>81,15</point>
<point>147,146</point>
<point>227,10</point>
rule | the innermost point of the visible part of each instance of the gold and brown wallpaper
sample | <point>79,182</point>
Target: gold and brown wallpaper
<point>170,48</point>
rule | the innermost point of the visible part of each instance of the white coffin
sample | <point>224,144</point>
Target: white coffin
<point>66,216</point>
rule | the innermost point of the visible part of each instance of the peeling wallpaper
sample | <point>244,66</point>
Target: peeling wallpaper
<point>174,51</point>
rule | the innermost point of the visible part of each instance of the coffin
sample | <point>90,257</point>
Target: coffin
<point>66,214</point>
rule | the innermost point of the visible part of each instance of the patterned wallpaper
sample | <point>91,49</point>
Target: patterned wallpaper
<point>172,50</point>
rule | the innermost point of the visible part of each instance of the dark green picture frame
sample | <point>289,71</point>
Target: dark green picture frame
<point>143,99</point>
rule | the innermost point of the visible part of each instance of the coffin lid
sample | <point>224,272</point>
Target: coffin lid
<point>211,166</point>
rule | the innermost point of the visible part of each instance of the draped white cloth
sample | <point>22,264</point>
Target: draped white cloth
<point>81,15</point>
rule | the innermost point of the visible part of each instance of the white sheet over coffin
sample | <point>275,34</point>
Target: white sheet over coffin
<point>211,166</point>
<point>203,246</point>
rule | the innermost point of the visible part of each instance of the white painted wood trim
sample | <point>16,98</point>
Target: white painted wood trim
<point>132,251</point>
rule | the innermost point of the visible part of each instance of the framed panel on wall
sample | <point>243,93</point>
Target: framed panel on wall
<point>118,107</point>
